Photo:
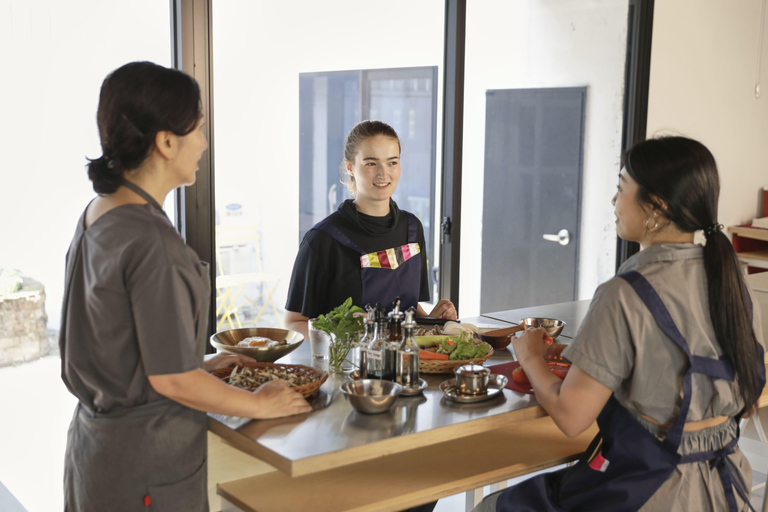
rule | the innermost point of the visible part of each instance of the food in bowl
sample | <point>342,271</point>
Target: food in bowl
<point>285,342</point>
<point>258,341</point>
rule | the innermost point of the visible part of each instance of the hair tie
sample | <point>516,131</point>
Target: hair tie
<point>711,230</point>
<point>106,157</point>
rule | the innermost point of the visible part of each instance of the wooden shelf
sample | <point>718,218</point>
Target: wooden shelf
<point>751,245</point>
<point>750,232</point>
<point>755,258</point>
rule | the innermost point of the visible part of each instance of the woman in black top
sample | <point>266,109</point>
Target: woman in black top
<point>368,249</point>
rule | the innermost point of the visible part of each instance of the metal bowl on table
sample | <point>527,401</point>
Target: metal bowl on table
<point>371,396</point>
<point>553,326</point>
<point>286,341</point>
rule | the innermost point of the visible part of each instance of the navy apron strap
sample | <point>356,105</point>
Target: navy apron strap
<point>337,235</point>
<point>413,227</point>
<point>716,368</point>
<point>718,458</point>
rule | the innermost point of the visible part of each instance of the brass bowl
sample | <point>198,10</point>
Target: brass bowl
<point>288,342</point>
<point>553,326</point>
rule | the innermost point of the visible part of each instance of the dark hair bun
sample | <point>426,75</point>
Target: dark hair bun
<point>137,101</point>
<point>105,177</point>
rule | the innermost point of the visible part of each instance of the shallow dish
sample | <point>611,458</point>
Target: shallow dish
<point>415,390</point>
<point>371,396</point>
<point>495,388</point>
<point>313,377</point>
<point>288,342</point>
<point>448,365</point>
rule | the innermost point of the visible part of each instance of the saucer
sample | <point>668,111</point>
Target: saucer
<point>495,387</point>
<point>416,390</point>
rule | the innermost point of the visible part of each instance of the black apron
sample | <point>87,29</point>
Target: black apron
<point>389,274</point>
<point>626,464</point>
<point>146,458</point>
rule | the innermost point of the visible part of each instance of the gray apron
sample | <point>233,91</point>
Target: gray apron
<point>147,458</point>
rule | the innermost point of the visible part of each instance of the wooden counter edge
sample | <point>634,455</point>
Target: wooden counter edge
<point>401,480</point>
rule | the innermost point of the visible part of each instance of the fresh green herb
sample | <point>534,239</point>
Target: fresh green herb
<point>344,325</point>
<point>342,320</point>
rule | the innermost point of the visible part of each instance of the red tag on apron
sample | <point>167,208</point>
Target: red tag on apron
<point>147,501</point>
<point>599,463</point>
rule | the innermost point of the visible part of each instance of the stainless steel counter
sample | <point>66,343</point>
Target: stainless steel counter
<point>334,434</point>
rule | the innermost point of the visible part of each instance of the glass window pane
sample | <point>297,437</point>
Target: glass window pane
<point>285,97</point>
<point>55,56</point>
<point>542,140</point>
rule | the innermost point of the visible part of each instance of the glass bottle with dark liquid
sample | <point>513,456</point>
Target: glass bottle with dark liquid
<point>394,339</point>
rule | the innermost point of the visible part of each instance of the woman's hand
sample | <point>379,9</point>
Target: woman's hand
<point>223,359</point>
<point>531,345</point>
<point>444,309</point>
<point>277,400</point>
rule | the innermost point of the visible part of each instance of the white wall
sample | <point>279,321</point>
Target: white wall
<point>547,43</point>
<point>703,69</point>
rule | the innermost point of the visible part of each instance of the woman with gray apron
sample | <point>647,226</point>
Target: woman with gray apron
<point>668,359</point>
<point>368,249</point>
<point>134,313</point>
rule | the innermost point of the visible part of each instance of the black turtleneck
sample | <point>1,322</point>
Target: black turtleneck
<point>326,273</point>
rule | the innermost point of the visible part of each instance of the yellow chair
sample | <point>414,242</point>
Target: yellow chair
<point>229,287</point>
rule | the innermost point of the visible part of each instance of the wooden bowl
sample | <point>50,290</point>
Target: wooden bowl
<point>499,338</point>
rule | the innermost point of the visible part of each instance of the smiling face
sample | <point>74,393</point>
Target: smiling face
<point>376,172</point>
<point>631,216</point>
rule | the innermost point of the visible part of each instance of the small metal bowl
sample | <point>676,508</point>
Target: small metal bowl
<point>553,326</point>
<point>288,342</point>
<point>371,396</point>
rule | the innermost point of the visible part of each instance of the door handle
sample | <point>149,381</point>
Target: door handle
<point>562,237</point>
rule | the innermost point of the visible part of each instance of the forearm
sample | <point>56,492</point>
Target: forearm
<point>549,392</point>
<point>202,391</point>
<point>296,322</point>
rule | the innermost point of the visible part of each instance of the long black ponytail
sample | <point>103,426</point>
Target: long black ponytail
<point>683,173</point>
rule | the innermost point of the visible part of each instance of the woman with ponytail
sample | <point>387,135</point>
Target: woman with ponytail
<point>134,318</point>
<point>668,359</point>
